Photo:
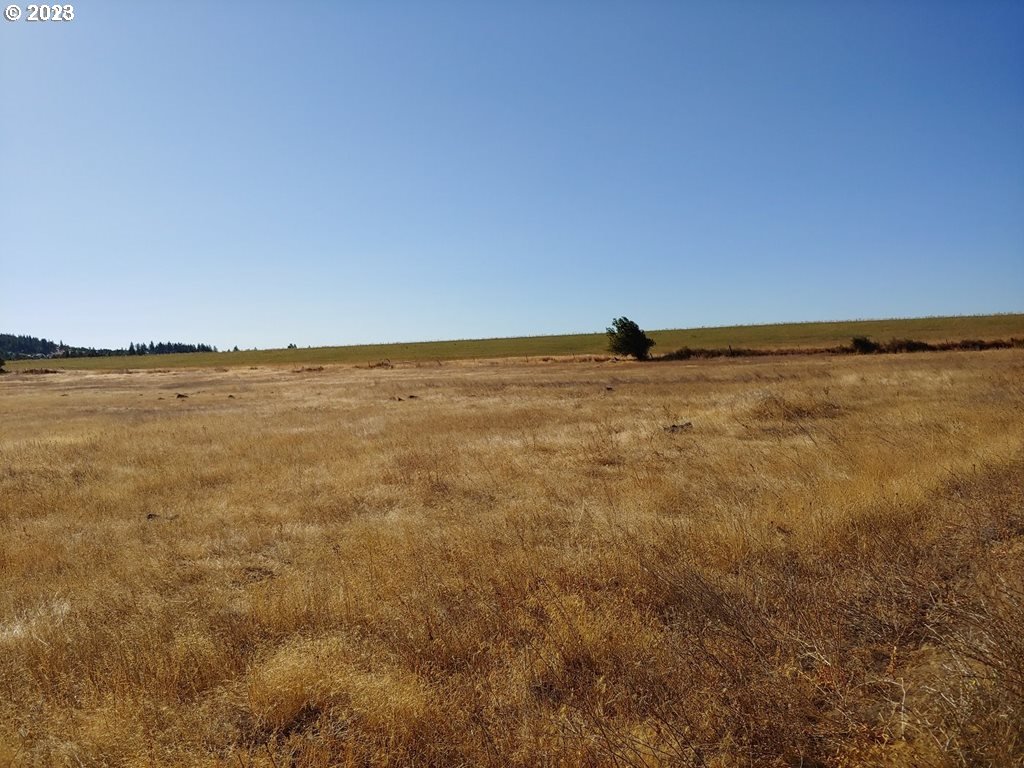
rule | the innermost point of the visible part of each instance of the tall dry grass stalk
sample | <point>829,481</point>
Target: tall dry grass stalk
<point>519,566</point>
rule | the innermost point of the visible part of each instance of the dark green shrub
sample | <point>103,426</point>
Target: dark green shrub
<point>626,338</point>
<point>862,345</point>
<point>908,345</point>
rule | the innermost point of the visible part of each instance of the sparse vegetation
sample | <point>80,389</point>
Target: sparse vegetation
<point>859,345</point>
<point>773,561</point>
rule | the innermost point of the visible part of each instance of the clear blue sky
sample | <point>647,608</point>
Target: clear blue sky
<point>321,172</point>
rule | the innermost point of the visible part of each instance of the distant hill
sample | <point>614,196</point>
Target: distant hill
<point>782,336</point>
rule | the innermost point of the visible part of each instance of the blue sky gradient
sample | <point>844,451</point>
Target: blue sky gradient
<point>348,172</point>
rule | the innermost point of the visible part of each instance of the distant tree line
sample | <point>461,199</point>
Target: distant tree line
<point>15,347</point>
<point>25,346</point>
<point>166,348</point>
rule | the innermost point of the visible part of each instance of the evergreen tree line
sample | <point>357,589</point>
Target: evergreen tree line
<point>14,347</point>
<point>166,348</point>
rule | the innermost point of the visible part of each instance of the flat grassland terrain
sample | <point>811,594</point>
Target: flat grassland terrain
<point>771,561</point>
<point>778,336</point>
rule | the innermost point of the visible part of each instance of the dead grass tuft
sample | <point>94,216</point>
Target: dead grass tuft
<point>794,406</point>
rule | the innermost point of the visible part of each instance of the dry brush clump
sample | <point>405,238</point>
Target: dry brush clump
<point>520,565</point>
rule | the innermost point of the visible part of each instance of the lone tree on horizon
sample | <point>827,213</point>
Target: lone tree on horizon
<point>626,338</point>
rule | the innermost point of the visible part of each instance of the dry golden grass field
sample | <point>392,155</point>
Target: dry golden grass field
<point>812,561</point>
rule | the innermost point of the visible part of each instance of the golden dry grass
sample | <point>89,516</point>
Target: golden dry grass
<point>520,566</point>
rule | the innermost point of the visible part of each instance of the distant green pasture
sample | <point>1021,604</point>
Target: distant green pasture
<point>781,336</point>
